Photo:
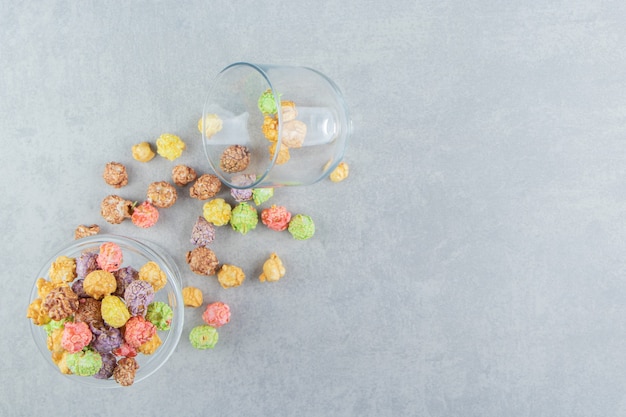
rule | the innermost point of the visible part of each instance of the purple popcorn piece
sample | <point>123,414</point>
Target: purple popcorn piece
<point>138,295</point>
<point>202,233</point>
<point>86,263</point>
<point>123,277</point>
<point>108,365</point>
<point>106,338</point>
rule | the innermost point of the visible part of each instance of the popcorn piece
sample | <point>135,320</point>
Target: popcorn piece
<point>293,133</point>
<point>273,269</point>
<point>84,231</point>
<point>276,218</point>
<point>53,343</point>
<point>301,227</point>
<point>152,273</point>
<point>99,284</point>
<point>123,277</point>
<point>110,257</point>
<point>137,296</point>
<point>162,194</point>
<point>261,195</point>
<point>149,347</point>
<point>142,152</point>
<point>244,218</point>
<point>115,174</point>
<point>205,187</point>
<point>145,215</point>
<point>114,311</point>
<point>53,325</point>
<point>36,313</point>
<point>138,331</point>
<point>60,303</point>
<point>160,314</point>
<point>124,372</point>
<point>203,337</point>
<point>87,362</point>
<point>267,102</point>
<point>202,232</point>
<point>106,338</point>
<point>63,269</point>
<point>283,153</point>
<point>340,172</point>
<point>202,261</point>
<point>211,123</point>
<point>125,350</point>
<point>86,262</point>
<point>217,211</point>
<point>89,312</point>
<point>192,297</point>
<point>242,180</point>
<point>288,109</point>
<point>270,128</point>
<point>183,175</point>
<point>216,314</point>
<point>230,276</point>
<point>114,209</point>
<point>170,146</point>
<point>75,336</point>
<point>108,365</point>
<point>44,287</point>
<point>235,158</point>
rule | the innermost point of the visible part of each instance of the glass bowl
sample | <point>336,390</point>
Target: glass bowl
<point>135,254</point>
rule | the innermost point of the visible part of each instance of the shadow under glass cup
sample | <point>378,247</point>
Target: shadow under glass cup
<point>272,126</point>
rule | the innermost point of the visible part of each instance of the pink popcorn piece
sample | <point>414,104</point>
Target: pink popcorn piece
<point>216,314</point>
<point>276,218</point>
<point>145,215</point>
<point>75,336</point>
<point>110,257</point>
<point>125,350</point>
<point>138,331</point>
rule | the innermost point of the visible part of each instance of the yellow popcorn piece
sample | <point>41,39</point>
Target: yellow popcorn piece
<point>142,152</point>
<point>217,211</point>
<point>212,124</point>
<point>170,146</point>
<point>340,173</point>
<point>273,269</point>
<point>152,273</point>
<point>37,314</point>
<point>63,269</point>
<point>230,276</point>
<point>192,297</point>
<point>114,311</point>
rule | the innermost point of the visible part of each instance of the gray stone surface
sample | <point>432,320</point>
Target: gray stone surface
<point>473,264</point>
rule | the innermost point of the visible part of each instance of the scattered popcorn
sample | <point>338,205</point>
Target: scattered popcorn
<point>340,172</point>
<point>203,337</point>
<point>202,233</point>
<point>202,261</point>
<point>261,195</point>
<point>162,194</point>
<point>235,158</point>
<point>183,175</point>
<point>115,174</point>
<point>114,209</point>
<point>301,227</point>
<point>273,269</point>
<point>276,218</point>
<point>216,314</point>
<point>211,124</point>
<point>142,152</point>
<point>192,297</point>
<point>145,215</point>
<point>84,231</point>
<point>230,276</point>
<point>205,187</point>
<point>217,211</point>
<point>243,218</point>
<point>170,146</point>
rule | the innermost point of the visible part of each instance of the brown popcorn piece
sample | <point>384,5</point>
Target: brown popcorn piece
<point>192,297</point>
<point>205,187</point>
<point>235,158</point>
<point>114,209</point>
<point>202,261</point>
<point>90,312</point>
<point>125,370</point>
<point>183,175</point>
<point>60,303</point>
<point>115,174</point>
<point>162,194</point>
<point>84,231</point>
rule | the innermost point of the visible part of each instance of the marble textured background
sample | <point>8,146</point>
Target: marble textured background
<point>474,263</point>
